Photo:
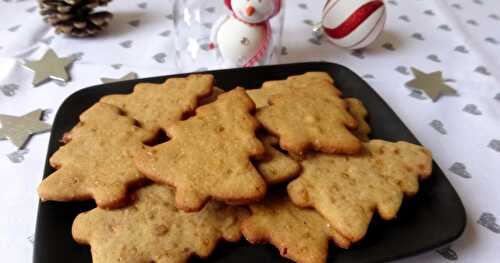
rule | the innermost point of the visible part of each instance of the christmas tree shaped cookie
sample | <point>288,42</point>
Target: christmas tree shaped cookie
<point>347,190</point>
<point>208,155</point>
<point>310,83</point>
<point>151,229</point>
<point>305,122</point>
<point>306,112</point>
<point>158,105</point>
<point>97,162</point>
<point>300,234</point>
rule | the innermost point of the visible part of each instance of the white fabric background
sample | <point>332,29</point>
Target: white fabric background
<point>419,33</point>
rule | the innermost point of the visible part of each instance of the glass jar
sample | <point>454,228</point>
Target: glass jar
<point>215,34</point>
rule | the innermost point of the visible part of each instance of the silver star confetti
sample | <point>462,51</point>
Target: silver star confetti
<point>19,129</point>
<point>50,66</point>
<point>129,76</point>
<point>431,83</point>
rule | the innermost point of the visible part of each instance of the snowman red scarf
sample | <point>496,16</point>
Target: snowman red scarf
<point>252,61</point>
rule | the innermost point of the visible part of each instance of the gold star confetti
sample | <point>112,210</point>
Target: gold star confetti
<point>50,66</point>
<point>431,83</point>
<point>19,129</point>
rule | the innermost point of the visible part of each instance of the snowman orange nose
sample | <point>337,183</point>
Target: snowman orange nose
<point>250,10</point>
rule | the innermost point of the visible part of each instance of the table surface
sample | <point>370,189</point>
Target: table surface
<point>461,38</point>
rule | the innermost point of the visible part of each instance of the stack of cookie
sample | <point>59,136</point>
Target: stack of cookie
<point>223,169</point>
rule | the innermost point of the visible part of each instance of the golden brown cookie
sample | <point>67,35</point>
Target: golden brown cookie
<point>308,122</point>
<point>306,112</point>
<point>354,106</point>
<point>346,190</point>
<point>259,97</point>
<point>359,112</point>
<point>157,105</point>
<point>97,161</point>
<point>276,167</point>
<point>153,230</point>
<point>215,93</point>
<point>208,155</point>
<point>315,75</point>
<point>311,83</point>
<point>300,234</point>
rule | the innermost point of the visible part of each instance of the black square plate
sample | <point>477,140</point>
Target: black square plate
<point>434,217</point>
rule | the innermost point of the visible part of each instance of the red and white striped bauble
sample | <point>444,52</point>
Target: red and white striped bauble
<point>353,24</point>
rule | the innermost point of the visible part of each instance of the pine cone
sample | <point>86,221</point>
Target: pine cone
<point>75,17</point>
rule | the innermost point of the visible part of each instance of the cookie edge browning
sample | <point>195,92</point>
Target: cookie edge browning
<point>202,200</point>
<point>83,235</point>
<point>302,199</point>
<point>115,99</point>
<point>261,238</point>
<point>269,143</point>
<point>358,110</point>
<point>425,170</point>
<point>255,234</point>
<point>206,93</point>
<point>118,195</point>
<point>260,96</point>
<point>307,145</point>
<point>250,106</point>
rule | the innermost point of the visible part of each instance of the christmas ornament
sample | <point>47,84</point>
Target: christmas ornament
<point>75,17</point>
<point>243,38</point>
<point>432,84</point>
<point>129,76</point>
<point>353,24</point>
<point>49,66</point>
<point>19,129</point>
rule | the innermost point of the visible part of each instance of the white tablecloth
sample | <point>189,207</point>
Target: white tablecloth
<point>459,37</point>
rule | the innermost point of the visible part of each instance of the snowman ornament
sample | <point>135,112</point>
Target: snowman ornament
<point>243,38</point>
